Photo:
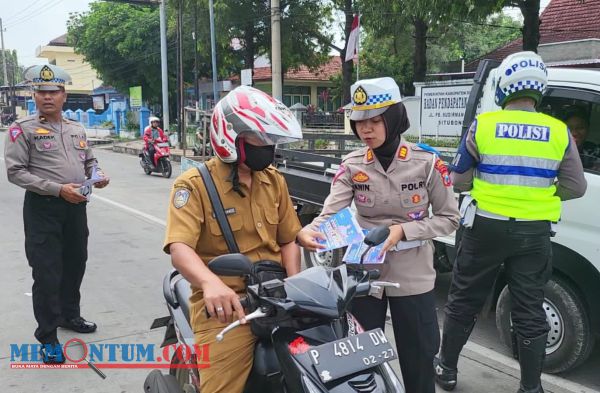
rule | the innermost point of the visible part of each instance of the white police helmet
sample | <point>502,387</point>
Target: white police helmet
<point>521,74</point>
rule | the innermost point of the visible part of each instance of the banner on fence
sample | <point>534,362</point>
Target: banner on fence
<point>98,102</point>
<point>443,109</point>
<point>135,96</point>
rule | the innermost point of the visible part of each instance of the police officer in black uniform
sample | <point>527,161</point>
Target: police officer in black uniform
<point>49,156</point>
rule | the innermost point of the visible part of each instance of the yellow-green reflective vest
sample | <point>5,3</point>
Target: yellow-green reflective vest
<point>520,155</point>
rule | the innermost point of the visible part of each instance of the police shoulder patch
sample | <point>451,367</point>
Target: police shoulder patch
<point>341,170</point>
<point>181,197</point>
<point>14,132</point>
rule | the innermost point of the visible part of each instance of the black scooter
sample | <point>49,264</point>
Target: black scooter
<point>315,344</point>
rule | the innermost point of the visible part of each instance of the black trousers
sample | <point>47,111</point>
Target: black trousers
<point>416,332</point>
<point>151,152</point>
<point>525,249</point>
<point>56,236</point>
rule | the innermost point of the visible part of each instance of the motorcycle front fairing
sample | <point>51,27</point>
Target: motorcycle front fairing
<point>317,299</point>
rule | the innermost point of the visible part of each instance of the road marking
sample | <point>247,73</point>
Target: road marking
<point>139,213</point>
<point>514,364</point>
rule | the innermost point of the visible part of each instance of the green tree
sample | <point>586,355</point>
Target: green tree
<point>531,21</point>
<point>14,71</point>
<point>471,40</point>
<point>426,17</point>
<point>248,22</point>
<point>122,43</point>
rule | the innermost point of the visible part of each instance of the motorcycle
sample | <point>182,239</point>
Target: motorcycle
<point>315,345</point>
<point>160,163</point>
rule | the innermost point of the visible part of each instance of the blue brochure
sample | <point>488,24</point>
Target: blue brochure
<point>355,251</point>
<point>341,229</point>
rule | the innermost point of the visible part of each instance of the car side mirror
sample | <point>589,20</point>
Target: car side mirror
<point>232,265</point>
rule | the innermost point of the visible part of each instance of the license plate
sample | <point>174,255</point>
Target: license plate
<point>162,144</point>
<point>351,354</point>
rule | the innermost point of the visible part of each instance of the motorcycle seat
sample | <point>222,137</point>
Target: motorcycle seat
<point>183,292</point>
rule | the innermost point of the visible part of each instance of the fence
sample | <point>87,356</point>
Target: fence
<point>116,114</point>
<point>323,120</point>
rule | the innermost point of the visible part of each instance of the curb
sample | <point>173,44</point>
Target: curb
<point>134,151</point>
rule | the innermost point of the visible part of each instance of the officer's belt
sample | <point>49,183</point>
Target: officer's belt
<point>403,245</point>
<point>494,216</point>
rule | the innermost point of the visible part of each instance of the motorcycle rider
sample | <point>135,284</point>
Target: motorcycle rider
<point>244,128</point>
<point>153,133</point>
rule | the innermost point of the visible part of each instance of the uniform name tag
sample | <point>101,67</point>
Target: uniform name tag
<point>228,212</point>
<point>523,131</point>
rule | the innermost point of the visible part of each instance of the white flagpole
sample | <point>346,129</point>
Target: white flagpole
<point>358,49</point>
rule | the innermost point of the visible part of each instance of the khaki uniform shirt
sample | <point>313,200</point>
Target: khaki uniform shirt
<point>41,156</point>
<point>415,191</point>
<point>261,222</point>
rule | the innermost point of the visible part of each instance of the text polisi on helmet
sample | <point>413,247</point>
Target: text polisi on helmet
<point>526,63</point>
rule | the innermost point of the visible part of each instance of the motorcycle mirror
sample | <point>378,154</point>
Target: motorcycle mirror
<point>233,265</point>
<point>377,235</point>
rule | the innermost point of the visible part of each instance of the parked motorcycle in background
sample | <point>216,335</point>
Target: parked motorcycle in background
<point>312,344</point>
<point>160,162</point>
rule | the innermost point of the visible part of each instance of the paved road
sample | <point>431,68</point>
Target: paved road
<point>122,293</point>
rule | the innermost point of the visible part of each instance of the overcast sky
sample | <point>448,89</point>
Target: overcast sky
<point>32,23</point>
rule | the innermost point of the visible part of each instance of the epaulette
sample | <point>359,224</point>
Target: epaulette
<point>25,120</point>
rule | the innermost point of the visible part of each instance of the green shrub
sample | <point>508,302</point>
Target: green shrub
<point>321,144</point>
<point>107,124</point>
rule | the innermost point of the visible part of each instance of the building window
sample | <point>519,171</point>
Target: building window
<point>294,94</point>
<point>327,103</point>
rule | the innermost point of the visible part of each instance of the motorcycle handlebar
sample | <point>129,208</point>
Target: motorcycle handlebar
<point>244,301</point>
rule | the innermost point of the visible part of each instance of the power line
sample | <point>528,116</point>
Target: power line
<point>44,8</point>
<point>23,10</point>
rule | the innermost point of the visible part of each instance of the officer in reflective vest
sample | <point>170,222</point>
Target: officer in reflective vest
<point>519,165</point>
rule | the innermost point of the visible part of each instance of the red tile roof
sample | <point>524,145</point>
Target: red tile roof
<point>59,41</point>
<point>562,20</point>
<point>321,73</point>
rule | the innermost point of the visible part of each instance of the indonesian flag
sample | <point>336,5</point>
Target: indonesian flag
<point>352,47</point>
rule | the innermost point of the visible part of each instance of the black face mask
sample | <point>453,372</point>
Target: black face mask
<point>259,158</point>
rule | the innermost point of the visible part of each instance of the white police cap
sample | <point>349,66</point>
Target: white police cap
<point>372,97</point>
<point>46,77</point>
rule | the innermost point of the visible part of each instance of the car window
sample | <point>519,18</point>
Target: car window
<point>581,111</point>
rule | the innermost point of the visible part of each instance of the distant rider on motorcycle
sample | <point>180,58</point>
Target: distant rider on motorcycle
<point>152,134</point>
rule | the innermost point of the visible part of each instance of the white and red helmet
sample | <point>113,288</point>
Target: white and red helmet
<point>246,110</point>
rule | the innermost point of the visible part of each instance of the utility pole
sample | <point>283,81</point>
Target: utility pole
<point>180,91</point>
<point>3,54</point>
<point>163,63</point>
<point>195,36</point>
<point>276,50</point>
<point>213,50</point>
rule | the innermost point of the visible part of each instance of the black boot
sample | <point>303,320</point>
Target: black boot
<point>454,337</point>
<point>531,359</point>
